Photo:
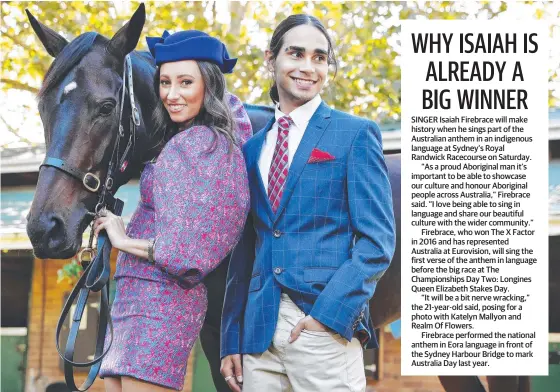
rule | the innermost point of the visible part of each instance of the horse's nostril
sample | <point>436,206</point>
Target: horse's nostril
<point>55,230</point>
<point>55,225</point>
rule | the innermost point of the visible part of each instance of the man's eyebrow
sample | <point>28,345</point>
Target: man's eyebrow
<point>296,48</point>
<point>301,49</point>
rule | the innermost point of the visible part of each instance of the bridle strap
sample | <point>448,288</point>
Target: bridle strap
<point>60,164</point>
<point>101,268</point>
<point>89,180</point>
<point>135,113</point>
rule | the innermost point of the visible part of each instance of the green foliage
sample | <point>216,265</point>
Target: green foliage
<point>70,272</point>
<point>366,36</point>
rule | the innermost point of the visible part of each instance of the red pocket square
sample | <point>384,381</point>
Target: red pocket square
<point>319,156</point>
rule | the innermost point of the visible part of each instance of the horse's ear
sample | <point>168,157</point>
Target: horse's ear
<point>51,40</point>
<point>125,40</point>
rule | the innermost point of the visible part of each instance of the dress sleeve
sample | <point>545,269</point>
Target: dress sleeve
<point>201,201</point>
<point>244,130</point>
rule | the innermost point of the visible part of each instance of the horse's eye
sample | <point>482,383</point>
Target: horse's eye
<point>106,109</point>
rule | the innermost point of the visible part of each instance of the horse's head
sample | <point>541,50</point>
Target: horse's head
<point>79,104</point>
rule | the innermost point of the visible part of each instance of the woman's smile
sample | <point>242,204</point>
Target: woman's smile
<point>176,108</point>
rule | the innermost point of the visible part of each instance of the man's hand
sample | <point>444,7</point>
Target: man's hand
<point>232,370</point>
<point>308,323</point>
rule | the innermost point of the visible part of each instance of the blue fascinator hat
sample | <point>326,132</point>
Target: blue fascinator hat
<point>190,45</point>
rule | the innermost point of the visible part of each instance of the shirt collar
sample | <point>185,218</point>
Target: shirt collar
<point>302,115</point>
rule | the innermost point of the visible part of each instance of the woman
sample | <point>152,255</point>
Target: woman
<point>194,201</point>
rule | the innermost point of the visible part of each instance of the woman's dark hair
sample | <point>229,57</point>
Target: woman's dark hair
<point>215,112</point>
<point>278,40</point>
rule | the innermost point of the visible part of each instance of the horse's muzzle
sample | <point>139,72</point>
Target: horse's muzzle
<point>49,237</point>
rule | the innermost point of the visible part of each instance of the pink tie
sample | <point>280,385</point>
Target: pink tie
<point>279,166</point>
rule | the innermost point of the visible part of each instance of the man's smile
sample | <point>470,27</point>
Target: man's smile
<point>304,82</point>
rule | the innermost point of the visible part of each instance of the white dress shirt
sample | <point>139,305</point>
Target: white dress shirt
<point>300,118</point>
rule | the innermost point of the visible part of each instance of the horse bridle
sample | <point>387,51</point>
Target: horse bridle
<point>96,273</point>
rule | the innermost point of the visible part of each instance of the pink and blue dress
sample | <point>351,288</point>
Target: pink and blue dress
<point>194,202</point>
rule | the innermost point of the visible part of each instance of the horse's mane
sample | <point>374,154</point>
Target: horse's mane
<point>66,60</point>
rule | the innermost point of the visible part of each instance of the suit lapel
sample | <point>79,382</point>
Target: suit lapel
<point>311,137</point>
<point>252,154</point>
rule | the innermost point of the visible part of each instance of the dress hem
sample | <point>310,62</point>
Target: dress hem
<point>160,384</point>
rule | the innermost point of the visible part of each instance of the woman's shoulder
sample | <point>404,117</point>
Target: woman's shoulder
<point>195,141</point>
<point>241,118</point>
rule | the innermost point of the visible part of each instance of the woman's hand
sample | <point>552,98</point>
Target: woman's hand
<point>113,225</point>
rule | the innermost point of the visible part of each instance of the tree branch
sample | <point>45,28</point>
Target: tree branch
<point>19,85</point>
<point>18,42</point>
<point>14,132</point>
<point>15,40</point>
<point>237,11</point>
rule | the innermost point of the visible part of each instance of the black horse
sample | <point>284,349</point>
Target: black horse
<point>79,107</point>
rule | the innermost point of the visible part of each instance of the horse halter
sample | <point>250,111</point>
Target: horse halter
<point>97,272</point>
<point>89,180</point>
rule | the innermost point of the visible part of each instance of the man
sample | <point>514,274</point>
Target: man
<point>319,236</point>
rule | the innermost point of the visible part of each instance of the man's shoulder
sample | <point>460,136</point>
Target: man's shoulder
<point>256,136</point>
<point>350,121</point>
<point>259,115</point>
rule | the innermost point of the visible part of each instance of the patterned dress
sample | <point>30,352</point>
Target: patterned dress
<point>194,202</point>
